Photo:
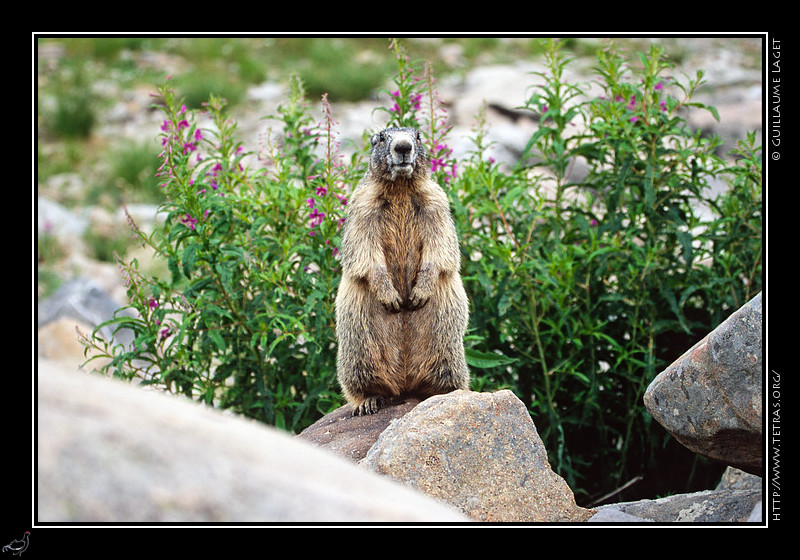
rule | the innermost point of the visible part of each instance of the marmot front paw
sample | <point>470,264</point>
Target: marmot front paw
<point>386,292</point>
<point>418,298</point>
<point>423,289</point>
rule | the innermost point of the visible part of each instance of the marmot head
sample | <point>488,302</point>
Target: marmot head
<point>399,153</point>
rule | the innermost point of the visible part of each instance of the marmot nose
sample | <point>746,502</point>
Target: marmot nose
<point>402,148</point>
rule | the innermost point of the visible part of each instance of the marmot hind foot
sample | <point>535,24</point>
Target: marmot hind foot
<point>370,405</point>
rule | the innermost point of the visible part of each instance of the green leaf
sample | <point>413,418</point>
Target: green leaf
<point>189,258</point>
<point>174,270</point>
<point>686,239</point>
<point>216,337</point>
<point>484,360</point>
<point>649,191</point>
<point>580,376</point>
<point>513,195</point>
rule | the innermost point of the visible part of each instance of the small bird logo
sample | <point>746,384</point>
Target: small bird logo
<point>17,547</point>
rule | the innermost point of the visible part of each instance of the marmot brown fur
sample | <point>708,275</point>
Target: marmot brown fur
<point>401,309</point>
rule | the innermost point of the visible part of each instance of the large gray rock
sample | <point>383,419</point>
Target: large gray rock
<point>710,398</point>
<point>479,452</point>
<point>737,498</point>
<point>349,436</point>
<point>111,452</point>
<point>712,506</point>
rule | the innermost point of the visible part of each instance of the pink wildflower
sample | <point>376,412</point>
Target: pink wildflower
<point>189,221</point>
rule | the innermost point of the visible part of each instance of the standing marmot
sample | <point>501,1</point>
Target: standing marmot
<point>401,310</point>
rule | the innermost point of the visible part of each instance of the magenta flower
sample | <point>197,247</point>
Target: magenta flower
<point>415,99</point>
<point>189,221</point>
<point>316,217</point>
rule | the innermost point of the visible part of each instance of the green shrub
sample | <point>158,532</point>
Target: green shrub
<point>132,170</point>
<point>327,68</point>
<point>197,86</point>
<point>582,289</point>
<point>74,114</point>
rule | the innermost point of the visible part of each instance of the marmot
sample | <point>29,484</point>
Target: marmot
<point>401,309</point>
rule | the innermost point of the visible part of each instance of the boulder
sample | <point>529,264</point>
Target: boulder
<point>711,506</point>
<point>479,452</point>
<point>734,479</point>
<point>349,436</point>
<point>111,452</point>
<point>737,498</point>
<point>710,399</point>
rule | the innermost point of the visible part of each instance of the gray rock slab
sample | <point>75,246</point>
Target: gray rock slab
<point>112,452</point>
<point>712,506</point>
<point>710,399</point>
